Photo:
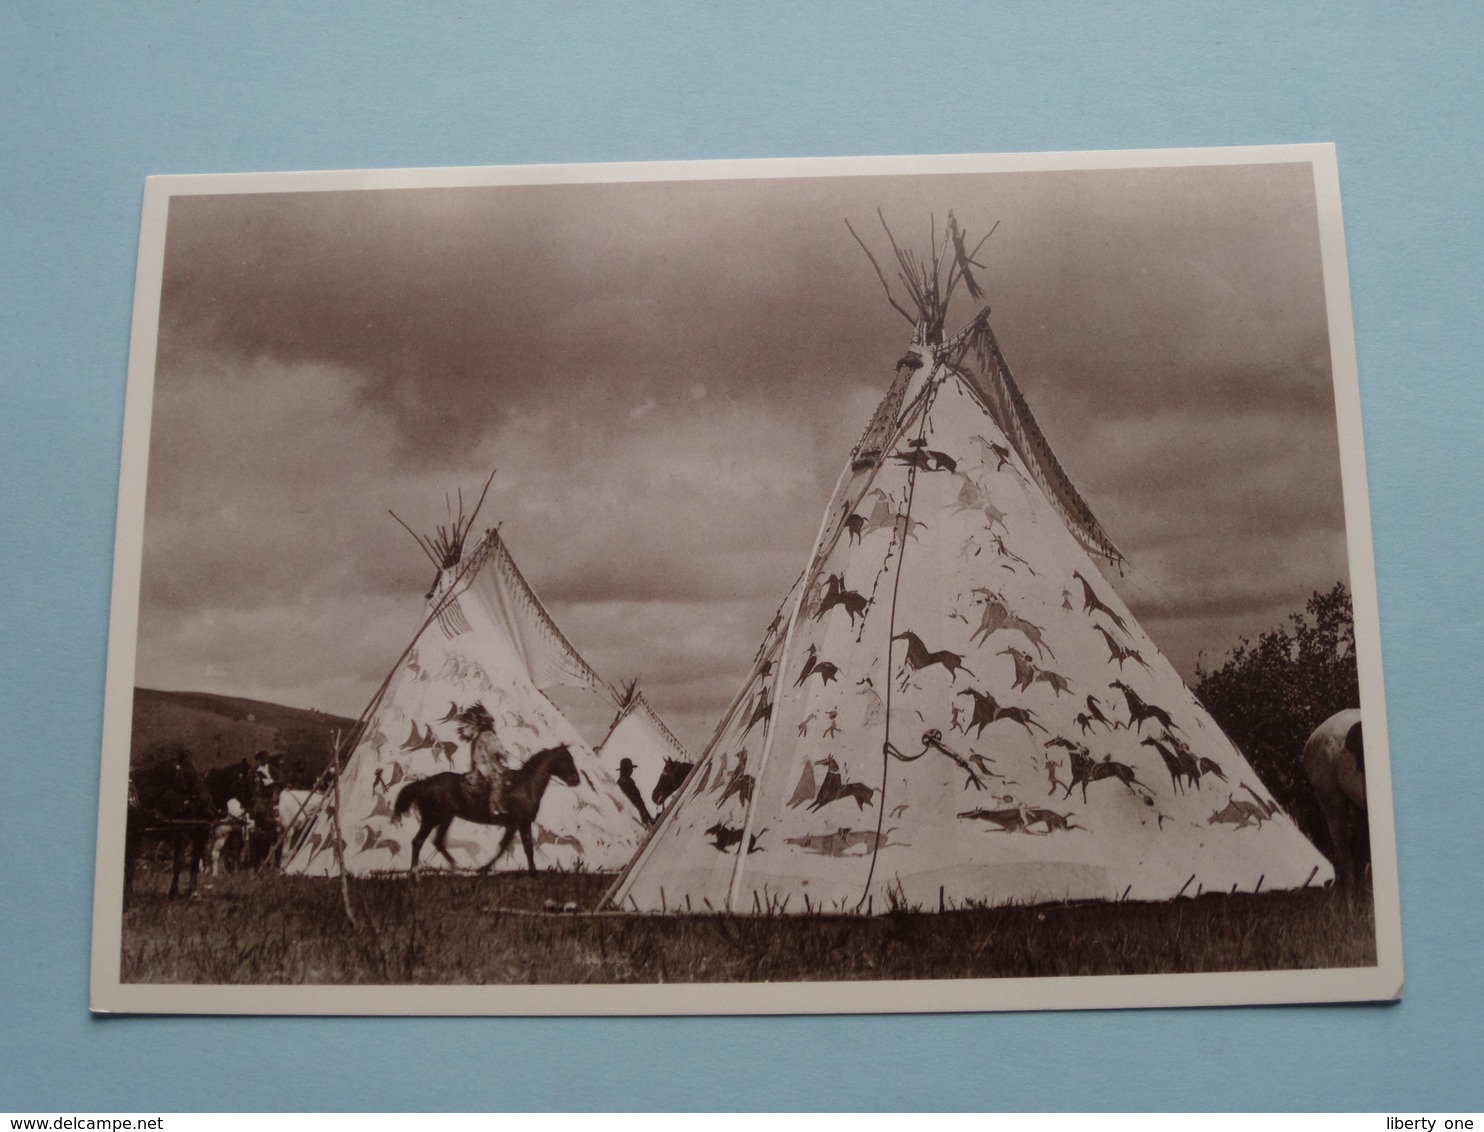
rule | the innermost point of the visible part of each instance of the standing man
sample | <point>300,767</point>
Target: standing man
<point>630,790</point>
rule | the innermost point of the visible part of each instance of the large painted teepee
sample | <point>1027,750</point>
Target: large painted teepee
<point>954,706</point>
<point>486,639</point>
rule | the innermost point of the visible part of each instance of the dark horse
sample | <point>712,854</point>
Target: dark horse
<point>167,802</point>
<point>669,780</point>
<point>440,798</point>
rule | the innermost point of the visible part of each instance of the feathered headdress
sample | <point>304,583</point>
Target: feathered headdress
<point>473,720</point>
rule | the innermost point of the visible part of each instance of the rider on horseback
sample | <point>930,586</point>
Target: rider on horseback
<point>489,773</point>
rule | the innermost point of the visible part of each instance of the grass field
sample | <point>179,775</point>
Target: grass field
<point>266,928</point>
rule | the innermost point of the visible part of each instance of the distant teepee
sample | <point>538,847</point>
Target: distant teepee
<point>954,706</point>
<point>639,737</point>
<point>487,639</point>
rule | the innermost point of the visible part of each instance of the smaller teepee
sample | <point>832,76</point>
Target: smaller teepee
<point>656,759</point>
<point>485,638</point>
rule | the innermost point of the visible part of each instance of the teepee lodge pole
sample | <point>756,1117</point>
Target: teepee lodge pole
<point>335,830</point>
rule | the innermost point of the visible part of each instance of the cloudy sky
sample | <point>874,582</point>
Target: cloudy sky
<point>668,377</point>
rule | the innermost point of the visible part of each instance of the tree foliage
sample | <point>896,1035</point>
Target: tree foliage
<point>1268,696</point>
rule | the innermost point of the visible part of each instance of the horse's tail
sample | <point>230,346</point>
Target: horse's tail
<point>405,798</point>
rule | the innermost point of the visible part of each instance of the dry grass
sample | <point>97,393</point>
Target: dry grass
<point>266,928</point>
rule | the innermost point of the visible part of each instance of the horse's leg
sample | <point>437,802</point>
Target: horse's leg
<point>425,828</point>
<point>198,849</point>
<point>500,852</point>
<point>525,841</point>
<point>440,844</point>
<point>177,846</point>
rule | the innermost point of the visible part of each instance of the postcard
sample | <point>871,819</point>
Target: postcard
<point>882,584</point>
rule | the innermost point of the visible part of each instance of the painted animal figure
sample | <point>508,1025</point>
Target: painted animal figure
<point>167,802</point>
<point>906,527</point>
<point>672,775</point>
<point>834,787</point>
<point>844,842</point>
<point>813,666</point>
<point>919,657</point>
<point>997,616</point>
<point>1032,633</point>
<point>1003,551</point>
<point>987,710</point>
<point>1027,672</point>
<point>875,710</point>
<point>1092,604</point>
<point>1238,815</point>
<point>1025,668</point>
<point>1009,819</point>
<point>372,840</point>
<point>761,712</point>
<point>1179,770</point>
<point>440,798</point>
<point>740,784</point>
<point>418,741</point>
<point>1058,682</point>
<point>1139,711</point>
<point>1020,819</point>
<point>1334,760</point>
<point>1260,808</point>
<point>835,593</point>
<point>973,497</point>
<point>1085,771</point>
<point>1053,821</point>
<point>1193,767</point>
<point>544,836</point>
<point>926,459</point>
<point>990,450</point>
<point>881,515</point>
<point>1095,712</point>
<point>723,837</point>
<point>1120,652</point>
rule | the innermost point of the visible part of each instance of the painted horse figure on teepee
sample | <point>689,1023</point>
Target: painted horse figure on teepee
<point>965,675</point>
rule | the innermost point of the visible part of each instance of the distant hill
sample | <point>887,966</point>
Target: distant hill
<point>221,730</point>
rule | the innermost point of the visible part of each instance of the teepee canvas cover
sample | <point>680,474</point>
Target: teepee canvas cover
<point>486,638</point>
<point>954,706</point>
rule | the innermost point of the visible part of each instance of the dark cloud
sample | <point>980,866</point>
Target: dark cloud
<point>668,375</point>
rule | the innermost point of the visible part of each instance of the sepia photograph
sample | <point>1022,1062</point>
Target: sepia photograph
<point>880,584</point>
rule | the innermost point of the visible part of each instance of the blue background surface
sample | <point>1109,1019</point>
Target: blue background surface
<point>96,99</point>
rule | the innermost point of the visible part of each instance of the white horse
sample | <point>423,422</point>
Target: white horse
<point>229,838</point>
<point>1334,759</point>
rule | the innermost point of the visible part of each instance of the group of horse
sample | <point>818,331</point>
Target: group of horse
<point>227,818</point>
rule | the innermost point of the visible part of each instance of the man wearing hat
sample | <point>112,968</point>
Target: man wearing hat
<point>630,790</point>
